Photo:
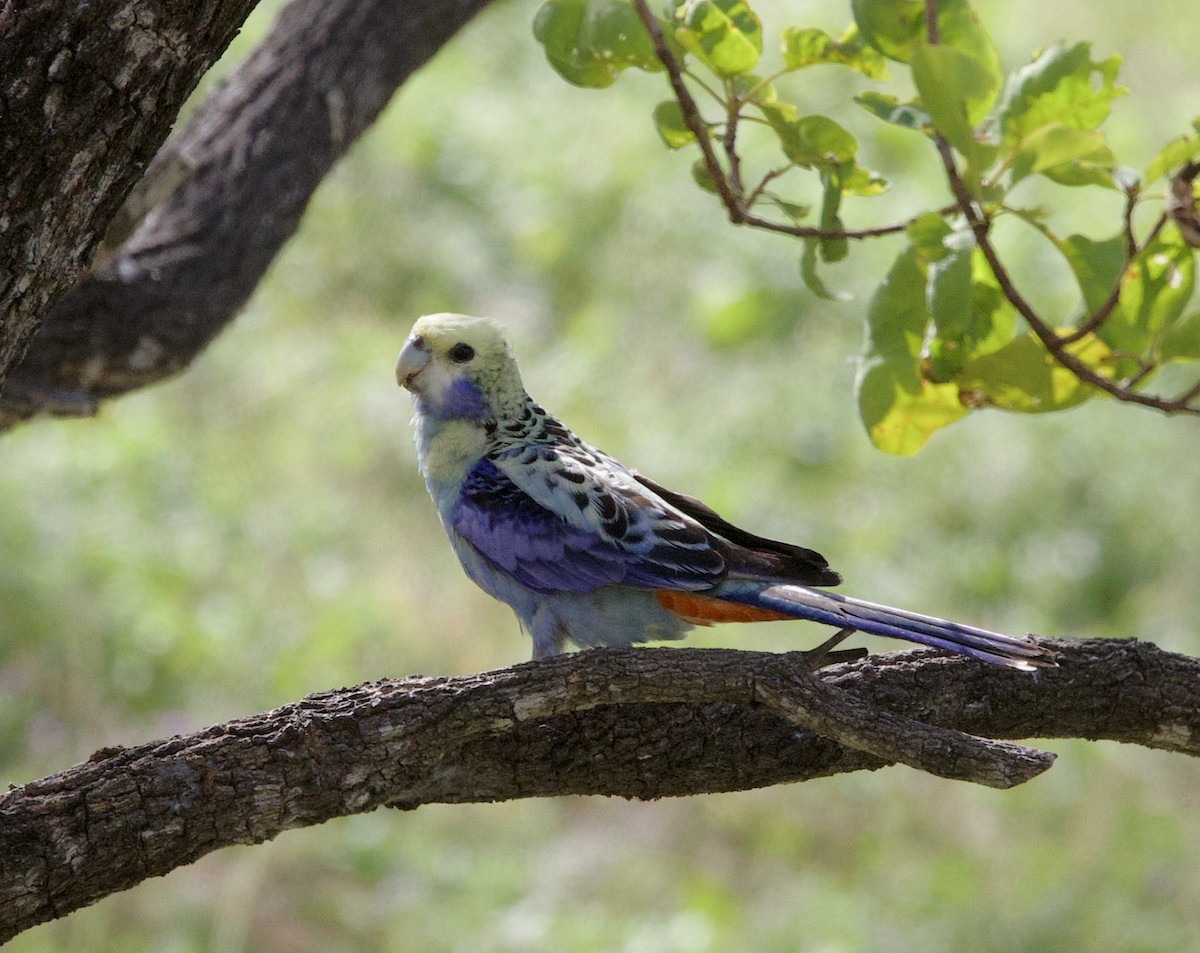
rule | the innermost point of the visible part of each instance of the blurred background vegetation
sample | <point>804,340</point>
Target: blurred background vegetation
<point>256,530</point>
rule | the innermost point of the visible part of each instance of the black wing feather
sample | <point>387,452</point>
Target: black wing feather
<point>756,554</point>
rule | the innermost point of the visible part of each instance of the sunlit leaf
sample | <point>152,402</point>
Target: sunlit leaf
<point>1096,168</point>
<point>1061,85</point>
<point>989,318</point>
<point>864,182</point>
<point>1174,154</point>
<point>725,35</point>
<point>1056,144</point>
<point>810,47</point>
<point>671,126</point>
<point>890,109</point>
<point>898,406</point>
<point>1155,290</point>
<point>1022,376</point>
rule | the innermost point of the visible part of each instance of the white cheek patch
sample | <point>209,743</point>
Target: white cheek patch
<point>435,381</point>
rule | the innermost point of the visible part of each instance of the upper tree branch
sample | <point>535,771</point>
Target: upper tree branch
<point>635,723</point>
<point>237,181</point>
<point>88,93</point>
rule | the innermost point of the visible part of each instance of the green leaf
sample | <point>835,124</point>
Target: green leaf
<point>953,86</point>
<point>1155,289</point>
<point>1062,85</point>
<point>1096,265</point>
<point>890,109</point>
<point>1054,145</point>
<point>671,126</point>
<point>1022,376</point>
<point>927,233</point>
<point>1174,154</point>
<point>981,325</point>
<point>590,42</point>
<point>811,47</point>
<point>897,29</point>
<point>725,35</point>
<point>811,140</point>
<point>808,272</point>
<point>948,285</point>
<point>701,176</point>
<point>754,89</point>
<point>1095,168</point>
<point>832,249</point>
<point>558,26</point>
<point>898,406</point>
<point>893,27</point>
<point>859,181</point>
<point>1181,341</point>
<point>793,210</point>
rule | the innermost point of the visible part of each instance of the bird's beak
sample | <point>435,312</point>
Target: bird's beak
<point>414,358</point>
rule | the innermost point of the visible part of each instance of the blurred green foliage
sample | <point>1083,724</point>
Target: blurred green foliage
<point>256,530</point>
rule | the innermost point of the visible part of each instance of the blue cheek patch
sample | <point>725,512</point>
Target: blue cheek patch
<point>463,401</point>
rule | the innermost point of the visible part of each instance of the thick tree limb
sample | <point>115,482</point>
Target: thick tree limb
<point>88,93</point>
<point>634,723</point>
<point>236,183</point>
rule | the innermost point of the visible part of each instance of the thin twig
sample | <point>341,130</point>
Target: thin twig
<point>691,112</point>
<point>757,191</point>
<point>732,116</point>
<point>737,209</point>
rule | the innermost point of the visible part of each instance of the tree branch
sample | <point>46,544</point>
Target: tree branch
<point>636,723</point>
<point>236,182</point>
<point>88,93</point>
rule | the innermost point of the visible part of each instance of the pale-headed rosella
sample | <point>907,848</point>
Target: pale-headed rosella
<point>588,551</point>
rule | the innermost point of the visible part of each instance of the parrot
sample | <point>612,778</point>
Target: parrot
<point>588,552</point>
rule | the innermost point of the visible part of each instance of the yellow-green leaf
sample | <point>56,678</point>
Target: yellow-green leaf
<point>725,35</point>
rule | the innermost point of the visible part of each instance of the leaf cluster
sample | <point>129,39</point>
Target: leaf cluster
<point>948,331</point>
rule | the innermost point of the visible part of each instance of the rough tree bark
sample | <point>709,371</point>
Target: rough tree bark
<point>637,723</point>
<point>88,93</point>
<point>216,206</point>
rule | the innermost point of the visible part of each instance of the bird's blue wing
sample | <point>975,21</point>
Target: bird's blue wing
<point>626,538</point>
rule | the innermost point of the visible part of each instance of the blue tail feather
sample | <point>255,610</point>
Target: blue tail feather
<point>834,609</point>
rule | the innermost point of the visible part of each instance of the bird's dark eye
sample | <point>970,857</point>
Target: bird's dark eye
<point>461,353</point>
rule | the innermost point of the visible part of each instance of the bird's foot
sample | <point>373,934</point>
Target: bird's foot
<point>824,655</point>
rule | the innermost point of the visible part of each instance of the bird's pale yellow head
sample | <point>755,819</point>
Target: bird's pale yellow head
<point>459,367</point>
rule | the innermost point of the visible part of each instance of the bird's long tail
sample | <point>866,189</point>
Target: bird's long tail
<point>801,602</point>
